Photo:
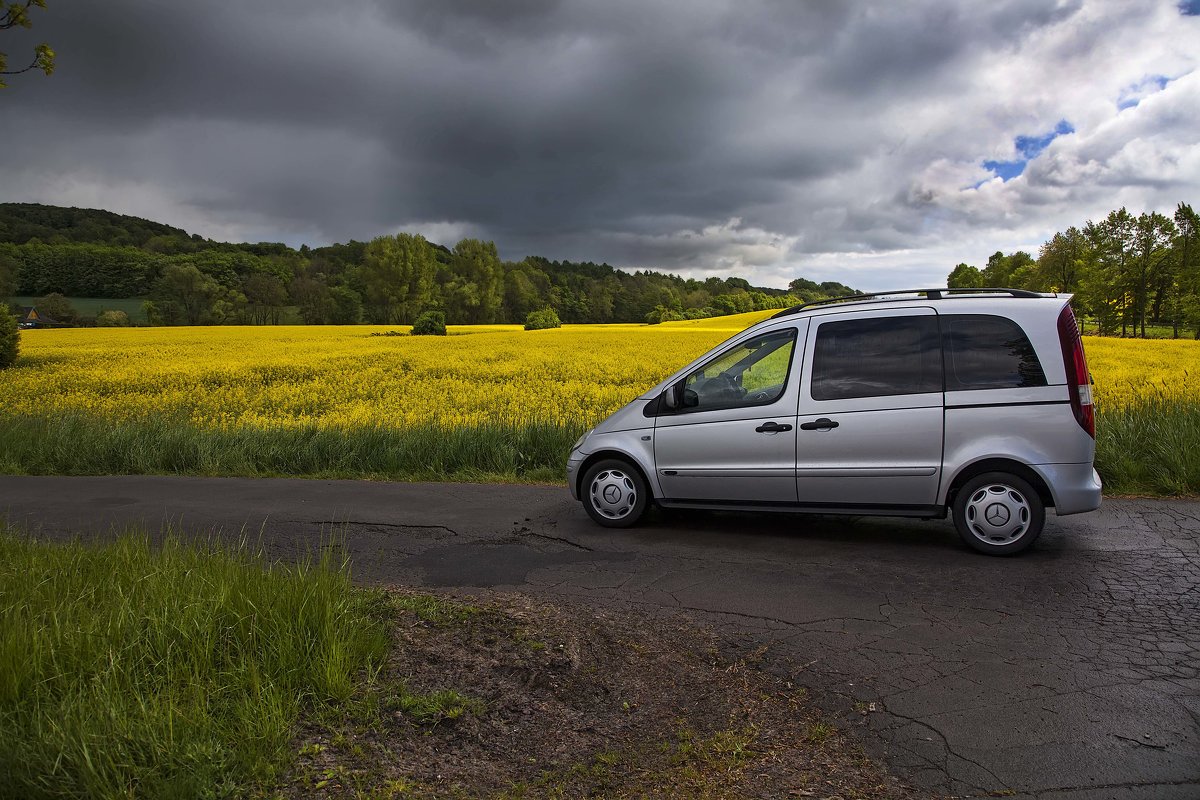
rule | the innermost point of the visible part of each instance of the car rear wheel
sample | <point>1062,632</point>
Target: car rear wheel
<point>615,494</point>
<point>998,513</point>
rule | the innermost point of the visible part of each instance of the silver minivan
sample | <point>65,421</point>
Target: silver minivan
<point>973,402</point>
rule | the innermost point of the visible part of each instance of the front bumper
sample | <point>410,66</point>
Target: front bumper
<point>574,461</point>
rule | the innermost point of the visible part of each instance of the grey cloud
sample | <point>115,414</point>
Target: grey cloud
<point>602,131</point>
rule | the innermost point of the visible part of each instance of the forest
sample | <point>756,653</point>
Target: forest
<point>1127,272</point>
<point>188,280</point>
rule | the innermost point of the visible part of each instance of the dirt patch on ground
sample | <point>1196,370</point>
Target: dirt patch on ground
<point>505,696</point>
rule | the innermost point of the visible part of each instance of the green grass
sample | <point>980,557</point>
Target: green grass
<point>1149,449</point>
<point>133,670</point>
<point>92,306</point>
<point>76,444</point>
<point>1152,448</point>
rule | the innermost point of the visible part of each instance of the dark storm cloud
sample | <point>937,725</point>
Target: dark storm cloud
<point>683,135</point>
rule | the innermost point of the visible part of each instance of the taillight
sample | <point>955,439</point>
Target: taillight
<point>1079,380</point>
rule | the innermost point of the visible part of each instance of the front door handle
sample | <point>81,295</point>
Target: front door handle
<point>823,424</point>
<point>772,427</point>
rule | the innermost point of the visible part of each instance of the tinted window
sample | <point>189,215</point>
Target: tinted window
<point>753,373</point>
<point>986,352</point>
<point>877,357</point>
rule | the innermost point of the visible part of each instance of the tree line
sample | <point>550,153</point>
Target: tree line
<point>188,280</point>
<point>1125,271</point>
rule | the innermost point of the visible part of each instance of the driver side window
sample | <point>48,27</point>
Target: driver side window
<point>753,373</point>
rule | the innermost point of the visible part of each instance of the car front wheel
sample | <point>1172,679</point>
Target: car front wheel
<point>615,494</point>
<point>998,514</point>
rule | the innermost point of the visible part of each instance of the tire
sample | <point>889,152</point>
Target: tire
<point>998,513</point>
<point>614,493</point>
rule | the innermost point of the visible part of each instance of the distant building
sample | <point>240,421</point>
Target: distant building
<point>29,317</point>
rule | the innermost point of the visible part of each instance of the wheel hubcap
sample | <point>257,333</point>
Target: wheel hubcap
<point>998,514</point>
<point>613,494</point>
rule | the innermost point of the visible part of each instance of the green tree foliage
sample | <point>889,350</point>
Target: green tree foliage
<point>57,308</point>
<point>8,274</point>
<point>1126,272</point>
<point>542,320</point>
<point>266,296</point>
<point>1184,303</point>
<point>10,338</point>
<point>430,323</point>
<point>112,319</point>
<point>89,253</point>
<point>16,15</point>
<point>347,307</point>
<point>186,296</point>
<point>964,276</point>
<point>396,278</point>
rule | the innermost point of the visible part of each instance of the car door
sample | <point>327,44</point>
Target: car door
<point>870,411</point>
<point>732,436</point>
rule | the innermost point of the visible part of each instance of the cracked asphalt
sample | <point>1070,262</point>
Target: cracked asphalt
<point>1070,672</point>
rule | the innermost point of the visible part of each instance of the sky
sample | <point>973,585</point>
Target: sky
<point>873,143</point>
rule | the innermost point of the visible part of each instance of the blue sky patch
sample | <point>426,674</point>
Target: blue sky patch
<point>1028,148</point>
<point>1189,8</point>
<point>1132,95</point>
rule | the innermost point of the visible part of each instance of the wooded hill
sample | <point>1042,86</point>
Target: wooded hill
<point>191,280</point>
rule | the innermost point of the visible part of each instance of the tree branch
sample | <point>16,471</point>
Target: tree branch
<point>16,15</point>
<point>33,65</point>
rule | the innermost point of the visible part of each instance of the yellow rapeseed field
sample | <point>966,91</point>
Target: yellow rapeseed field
<point>345,377</point>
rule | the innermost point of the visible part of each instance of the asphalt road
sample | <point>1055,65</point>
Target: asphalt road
<point>1070,672</point>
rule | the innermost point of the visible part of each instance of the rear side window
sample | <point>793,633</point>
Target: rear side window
<point>988,352</point>
<point>877,357</point>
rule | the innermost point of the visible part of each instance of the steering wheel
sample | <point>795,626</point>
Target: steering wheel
<point>726,384</point>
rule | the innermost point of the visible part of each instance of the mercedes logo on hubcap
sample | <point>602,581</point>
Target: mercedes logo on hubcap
<point>612,494</point>
<point>996,514</point>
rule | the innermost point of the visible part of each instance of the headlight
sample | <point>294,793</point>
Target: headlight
<point>579,442</point>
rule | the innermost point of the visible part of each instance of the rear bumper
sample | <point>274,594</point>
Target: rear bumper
<point>1076,487</point>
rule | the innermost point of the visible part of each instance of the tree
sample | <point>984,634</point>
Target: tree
<point>187,296</point>
<point>477,285</point>
<point>10,338</point>
<point>16,15</point>
<point>265,297</point>
<point>541,320</point>
<point>1060,260</point>
<point>57,308</point>
<point>396,278</point>
<point>430,323</point>
<point>112,319</point>
<point>1187,268</point>
<point>8,275</point>
<point>964,276</point>
<point>347,306</point>
<point>313,297</point>
<point>1151,260</point>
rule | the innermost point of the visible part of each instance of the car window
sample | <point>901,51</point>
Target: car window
<point>753,373</point>
<point>877,357</point>
<point>988,352</point>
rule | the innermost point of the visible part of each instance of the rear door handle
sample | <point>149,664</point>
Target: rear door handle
<point>772,427</point>
<point>823,424</point>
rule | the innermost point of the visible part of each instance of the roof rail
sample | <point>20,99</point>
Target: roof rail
<point>931,294</point>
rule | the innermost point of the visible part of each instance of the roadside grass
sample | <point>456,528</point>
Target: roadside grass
<point>1143,449</point>
<point>79,444</point>
<point>131,669</point>
<point>1150,448</point>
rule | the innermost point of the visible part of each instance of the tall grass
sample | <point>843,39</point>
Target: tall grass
<point>1151,448</point>
<point>128,670</point>
<point>1147,448</point>
<point>78,444</point>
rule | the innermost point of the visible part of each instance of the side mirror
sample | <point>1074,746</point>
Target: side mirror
<point>670,399</point>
